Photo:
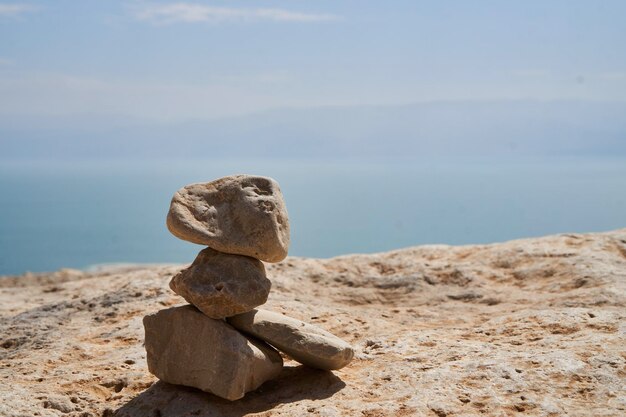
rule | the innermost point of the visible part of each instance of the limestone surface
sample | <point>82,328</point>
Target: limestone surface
<point>533,327</point>
<point>222,285</point>
<point>239,214</point>
<point>304,342</point>
<point>185,347</point>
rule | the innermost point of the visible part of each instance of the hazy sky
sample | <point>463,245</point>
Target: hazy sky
<point>171,61</point>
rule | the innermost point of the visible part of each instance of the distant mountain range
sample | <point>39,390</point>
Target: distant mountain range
<point>464,128</point>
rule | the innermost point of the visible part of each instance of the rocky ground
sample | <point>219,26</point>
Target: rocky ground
<point>530,327</point>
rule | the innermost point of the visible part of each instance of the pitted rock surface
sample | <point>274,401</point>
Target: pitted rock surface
<point>222,285</point>
<point>239,214</point>
<point>528,327</point>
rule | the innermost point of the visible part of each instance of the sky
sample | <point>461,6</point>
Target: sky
<point>169,62</point>
<point>315,93</point>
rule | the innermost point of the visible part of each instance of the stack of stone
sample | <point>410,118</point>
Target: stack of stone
<point>220,343</point>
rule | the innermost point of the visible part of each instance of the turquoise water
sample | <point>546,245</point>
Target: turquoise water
<point>68,214</point>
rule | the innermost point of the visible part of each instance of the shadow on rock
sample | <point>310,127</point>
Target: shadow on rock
<point>295,383</point>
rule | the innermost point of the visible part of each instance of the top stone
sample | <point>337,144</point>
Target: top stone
<point>238,214</point>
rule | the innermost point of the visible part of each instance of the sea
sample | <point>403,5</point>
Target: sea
<point>81,214</point>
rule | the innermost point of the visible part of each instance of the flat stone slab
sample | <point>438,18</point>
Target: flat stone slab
<point>223,285</point>
<point>306,343</point>
<point>186,347</point>
<point>238,214</point>
<point>545,322</point>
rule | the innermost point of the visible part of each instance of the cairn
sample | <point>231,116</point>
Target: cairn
<point>221,343</point>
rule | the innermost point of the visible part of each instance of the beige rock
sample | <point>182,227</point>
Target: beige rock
<point>306,343</point>
<point>222,285</point>
<point>239,214</point>
<point>187,348</point>
<point>537,325</point>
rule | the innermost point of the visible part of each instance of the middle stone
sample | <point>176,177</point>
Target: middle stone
<point>223,285</point>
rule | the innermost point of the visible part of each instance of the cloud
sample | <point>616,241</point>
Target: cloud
<point>5,62</point>
<point>15,9</point>
<point>198,13</point>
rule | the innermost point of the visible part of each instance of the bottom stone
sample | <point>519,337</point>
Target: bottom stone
<point>186,347</point>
